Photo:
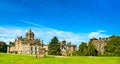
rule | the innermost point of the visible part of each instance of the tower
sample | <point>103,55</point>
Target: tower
<point>30,35</point>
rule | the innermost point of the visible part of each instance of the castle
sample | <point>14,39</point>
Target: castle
<point>100,44</point>
<point>27,45</point>
<point>30,45</point>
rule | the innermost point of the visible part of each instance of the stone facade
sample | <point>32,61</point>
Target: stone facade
<point>100,44</point>
<point>67,48</point>
<point>27,45</point>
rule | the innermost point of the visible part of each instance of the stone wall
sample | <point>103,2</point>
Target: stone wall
<point>100,44</point>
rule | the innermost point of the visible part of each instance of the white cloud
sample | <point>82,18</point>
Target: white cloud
<point>44,33</point>
<point>6,39</point>
<point>98,34</point>
<point>10,33</point>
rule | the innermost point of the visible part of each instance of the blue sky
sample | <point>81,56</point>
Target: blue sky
<point>81,18</point>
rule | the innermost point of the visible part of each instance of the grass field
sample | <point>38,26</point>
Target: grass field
<point>30,59</point>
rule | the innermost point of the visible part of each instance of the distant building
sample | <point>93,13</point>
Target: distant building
<point>67,48</point>
<point>100,43</point>
<point>27,45</point>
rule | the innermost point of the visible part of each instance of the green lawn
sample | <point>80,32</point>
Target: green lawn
<point>28,59</point>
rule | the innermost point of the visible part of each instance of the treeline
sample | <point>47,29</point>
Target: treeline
<point>111,49</point>
<point>85,49</point>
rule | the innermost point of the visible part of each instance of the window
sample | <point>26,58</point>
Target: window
<point>35,48</point>
<point>31,48</point>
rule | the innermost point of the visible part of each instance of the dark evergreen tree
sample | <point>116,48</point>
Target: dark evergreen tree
<point>3,47</point>
<point>54,47</point>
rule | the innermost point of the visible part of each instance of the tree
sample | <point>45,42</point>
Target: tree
<point>113,46</point>
<point>83,49</point>
<point>3,47</point>
<point>54,47</point>
<point>91,50</point>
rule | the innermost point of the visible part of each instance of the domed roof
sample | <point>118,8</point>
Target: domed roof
<point>30,32</point>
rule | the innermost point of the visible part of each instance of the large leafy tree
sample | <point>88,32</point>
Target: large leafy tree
<point>91,50</point>
<point>54,47</point>
<point>83,49</point>
<point>113,46</point>
<point>3,47</point>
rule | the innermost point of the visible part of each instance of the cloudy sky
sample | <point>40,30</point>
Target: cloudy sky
<point>72,20</point>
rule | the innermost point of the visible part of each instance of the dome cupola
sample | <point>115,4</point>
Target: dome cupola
<point>30,35</point>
